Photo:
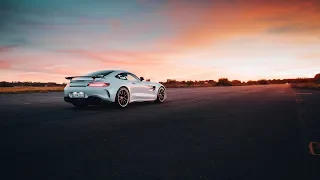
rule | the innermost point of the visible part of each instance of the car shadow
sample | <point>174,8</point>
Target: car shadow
<point>112,107</point>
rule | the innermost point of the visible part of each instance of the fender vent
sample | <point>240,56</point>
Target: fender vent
<point>108,93</point>
<point>153,88</point>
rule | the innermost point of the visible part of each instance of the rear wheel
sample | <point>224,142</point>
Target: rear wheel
<point>122,97</point>
<point>161,95</point>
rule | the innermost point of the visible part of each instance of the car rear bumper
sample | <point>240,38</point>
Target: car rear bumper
<point>92,94</point>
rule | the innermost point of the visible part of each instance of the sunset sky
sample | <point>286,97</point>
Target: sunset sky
<point>46,40</point>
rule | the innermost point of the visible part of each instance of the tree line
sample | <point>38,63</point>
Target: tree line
<point>227,82</point>
<point>29,83</point>
<point>174,83</point>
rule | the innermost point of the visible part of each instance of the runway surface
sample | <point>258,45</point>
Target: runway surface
<point>248,132</point>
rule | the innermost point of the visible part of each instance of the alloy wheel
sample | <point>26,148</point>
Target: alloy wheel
<point>123,97</point>
<point>161,94</point>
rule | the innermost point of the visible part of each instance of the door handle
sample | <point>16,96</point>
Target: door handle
<point>133,83</point>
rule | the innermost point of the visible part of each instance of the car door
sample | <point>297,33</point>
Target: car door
<point>149,90</point>
<point>137,90</point>
<point>146,89</point>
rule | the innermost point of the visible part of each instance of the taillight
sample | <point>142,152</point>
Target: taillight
<point>98,84</point>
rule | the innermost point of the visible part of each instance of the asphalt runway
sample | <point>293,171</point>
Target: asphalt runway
<point>248,132</point>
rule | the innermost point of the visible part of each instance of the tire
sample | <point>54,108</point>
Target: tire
<point>122,98</point>
<point>161,95</point>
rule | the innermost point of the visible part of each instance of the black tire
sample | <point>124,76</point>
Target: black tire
<point>161,95</point>
<point>122,98</point>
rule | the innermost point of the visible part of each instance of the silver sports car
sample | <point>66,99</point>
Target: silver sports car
<point>115,86</point>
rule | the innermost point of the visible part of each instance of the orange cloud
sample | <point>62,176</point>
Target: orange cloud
<point>221,21</point>
<point>157,65</point>
<point>124,58</point>
<point>187,51</point>
<point>39,77</point>
<point>315,56</point>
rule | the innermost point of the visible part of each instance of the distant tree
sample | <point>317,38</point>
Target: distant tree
<point>171,81</point>
<point>263,81</point>
<point>190,83</point>
<point>251,82</point>
<point>236,83</point>
<point>317,78</point>
<point>277,81</point>
<point>5,84</point>
<point>212,82</point>
<point>302,80</point>
<point>224,82</point>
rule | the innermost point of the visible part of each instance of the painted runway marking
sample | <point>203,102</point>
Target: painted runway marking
<point>300,100</point>
<point>314,148</point>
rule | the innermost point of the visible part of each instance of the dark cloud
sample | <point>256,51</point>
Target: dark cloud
<point>293,28</point>
<point>7,48</point>
<point>5,16</point>
<point>283,29</point>
<point>21,11</point>
<point>7,5</point>
<point>275,18</point>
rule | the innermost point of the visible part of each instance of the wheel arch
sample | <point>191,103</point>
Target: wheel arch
<point>162,86</point>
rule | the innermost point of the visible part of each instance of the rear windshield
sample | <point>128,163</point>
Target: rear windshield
<point>97,73</point>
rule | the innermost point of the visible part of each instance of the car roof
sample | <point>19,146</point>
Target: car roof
<point>119,70</point>
<point>113,70</point>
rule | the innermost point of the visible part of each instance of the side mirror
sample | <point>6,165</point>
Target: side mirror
<point>141,78</point>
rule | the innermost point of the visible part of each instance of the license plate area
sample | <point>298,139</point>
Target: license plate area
<point>78,95</point>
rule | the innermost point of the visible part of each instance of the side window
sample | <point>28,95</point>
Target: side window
<point>138,79</point>
<point>122,76</point>
<point>131,78</point>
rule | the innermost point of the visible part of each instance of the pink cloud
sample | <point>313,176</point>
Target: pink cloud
<point>4,64</point>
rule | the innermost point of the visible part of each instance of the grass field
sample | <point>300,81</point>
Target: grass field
<point>309,85</point>
<point>29,89</point>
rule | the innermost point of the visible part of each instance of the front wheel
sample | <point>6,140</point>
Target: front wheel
<point>122,97</point>
<point>161,95</point>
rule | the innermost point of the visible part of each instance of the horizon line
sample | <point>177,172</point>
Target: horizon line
<point>176,80</point>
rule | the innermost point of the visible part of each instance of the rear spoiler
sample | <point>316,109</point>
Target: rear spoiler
<point>93,77</point>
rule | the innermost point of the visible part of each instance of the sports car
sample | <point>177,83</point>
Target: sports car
<point>118,87</point>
